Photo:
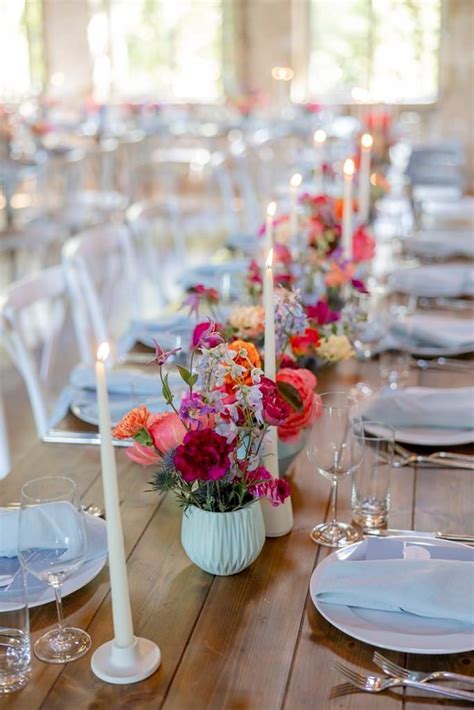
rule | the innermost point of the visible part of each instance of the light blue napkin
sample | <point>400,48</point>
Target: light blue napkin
<point>448,280</point>
<point>127,382</point>
<point>440,330</point>
<point>443,244</point>
<point>433,588</point>
<point>443,408</point>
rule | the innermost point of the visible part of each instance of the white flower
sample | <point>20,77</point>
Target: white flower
<point>335,348</point>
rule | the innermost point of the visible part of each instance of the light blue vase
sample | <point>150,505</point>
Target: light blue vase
<point>223,543</point>
<point>287,453</point>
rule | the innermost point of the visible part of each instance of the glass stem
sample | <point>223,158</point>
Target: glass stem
<point>59,607</point>
<point>334,501</point>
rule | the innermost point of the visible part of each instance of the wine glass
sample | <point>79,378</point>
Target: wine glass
<point>337,452</point>
<point>52,544</point>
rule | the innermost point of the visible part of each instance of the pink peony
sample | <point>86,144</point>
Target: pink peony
<point>363,245</point>
<point>275,409</point>
<point>203,455</point>
<point>304,383</point>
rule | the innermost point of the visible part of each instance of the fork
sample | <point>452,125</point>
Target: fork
<point>438,458</point>
<point>436,454</point>
<point>377,684</point>
<point>397,671</point>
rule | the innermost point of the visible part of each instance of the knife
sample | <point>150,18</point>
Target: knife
<point>454,537</point>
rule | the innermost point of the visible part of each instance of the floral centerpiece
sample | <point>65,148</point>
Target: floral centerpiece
<point>208,450</point>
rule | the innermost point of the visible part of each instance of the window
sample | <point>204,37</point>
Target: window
<point>21,48</point>
<point>165,48</point>
<point>374,50</point>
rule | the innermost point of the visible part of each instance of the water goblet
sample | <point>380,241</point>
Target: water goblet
<point>52,544</point>
<point>336,451</point>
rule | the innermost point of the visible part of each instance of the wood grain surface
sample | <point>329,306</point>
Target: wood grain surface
<point>251,641</point>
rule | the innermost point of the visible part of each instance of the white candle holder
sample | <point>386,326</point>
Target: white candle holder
<point>278,520</point>
<point>120,666</point>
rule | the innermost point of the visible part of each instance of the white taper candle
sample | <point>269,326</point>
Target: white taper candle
<point>295,184</point>
<point>271,209</point>
<point>122,615</point>
<point>347,228</point>
<point>364,177</point>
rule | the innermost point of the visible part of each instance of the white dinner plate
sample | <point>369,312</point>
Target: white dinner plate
<point>397,631</point>
<point>41,593</point>
<point>85,407</point>
<point>426,436</point>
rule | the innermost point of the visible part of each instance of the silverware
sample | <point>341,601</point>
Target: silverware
<point>92,509</point>
<point>437,458</point>
<point>377,684</point>
<point>440,535</point>
<point>445,363</point>
<point>392,669</point>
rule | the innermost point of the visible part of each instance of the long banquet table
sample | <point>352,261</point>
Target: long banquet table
<point>253,640</point>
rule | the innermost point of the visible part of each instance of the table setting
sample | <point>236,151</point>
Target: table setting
<point>286,434</point>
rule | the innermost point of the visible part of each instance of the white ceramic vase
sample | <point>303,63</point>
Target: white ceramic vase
<point>223,543</point>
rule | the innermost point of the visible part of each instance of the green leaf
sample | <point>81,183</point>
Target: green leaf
<point>290,395</point>
<point>167,393</point>
<point>184,372</point>
<point>143,437</point>
<point>193,379</point>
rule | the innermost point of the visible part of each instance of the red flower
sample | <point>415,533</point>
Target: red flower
<point>304,343</point>
<point>281,254</point>
<point>304,383</point>
<point>261,484</point>
<point>363,245</point>
<point>203,455</point>
<point>254,273</point>
<point>275,409</point>
<point>321,313</point>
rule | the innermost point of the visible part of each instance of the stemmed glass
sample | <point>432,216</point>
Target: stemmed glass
<point>368,326</point>
<point>52,544</point>
<point>337,452</point>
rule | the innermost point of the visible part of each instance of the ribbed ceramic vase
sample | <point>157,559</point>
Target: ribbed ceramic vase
<point>223,543</point>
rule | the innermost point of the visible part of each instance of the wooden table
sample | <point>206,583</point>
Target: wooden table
<point>249,641</point>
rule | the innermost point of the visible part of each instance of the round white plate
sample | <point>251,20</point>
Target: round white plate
<point>397,631</point>
<point>428,437</point>
<point>41,593</point>
<point>86,409</point>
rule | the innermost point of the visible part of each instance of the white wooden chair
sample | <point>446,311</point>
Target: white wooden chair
<point>37,321</point>
<point>5,462</point>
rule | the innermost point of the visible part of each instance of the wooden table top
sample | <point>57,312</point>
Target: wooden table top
<point>253,640</point>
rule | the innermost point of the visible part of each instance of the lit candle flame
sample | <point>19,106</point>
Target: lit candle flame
<point>373,179</point>
<point>296,180</point>
<point>349,167</point>
<point>282,73</point>
<point>320,136</point>
<point>271,209</point>
<point>269,260</point>
<point>366,141</point>
<point>103,352</point>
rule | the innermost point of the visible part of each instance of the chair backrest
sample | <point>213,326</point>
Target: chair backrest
<point>38,324</point>
<point>102,262</point>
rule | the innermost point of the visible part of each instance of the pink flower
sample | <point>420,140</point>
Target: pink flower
<point>166,431</point>
<point>206,335</point>
<point>162,355</point>
<point>278,490</point>
<point>304,382</point>
<point>261,484</point>
<point>143,455</point>
<point>203,455</point>
<point>254,273</point>
<point>363,245</point>
<point>275,409</point>
<point>200,294</point>
<point>281,254</point>
<point>321,313</point>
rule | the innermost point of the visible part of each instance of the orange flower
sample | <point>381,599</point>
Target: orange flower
<point>247,356</point>
<point>339,207</point>
<point>338,276</point>
<point>132,423</point>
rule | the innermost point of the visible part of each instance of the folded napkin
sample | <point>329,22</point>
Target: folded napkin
<point>419,584</point>
<point>126,382</point>
<point>41,522</point>
<point>441,408</point>
<point>440,330</point>
<point>449,280</point>
<point>441,243</point>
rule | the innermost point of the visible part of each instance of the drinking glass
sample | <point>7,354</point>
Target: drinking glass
<point>394,367</point>
<point>337,452</point>
<point>52,544</point>
<point>371,480</point>
<point>15,653</point>
<point>368,326</point>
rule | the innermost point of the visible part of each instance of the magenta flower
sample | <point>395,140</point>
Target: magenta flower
<point>322,314</point>
<point>204,455</point>
<point>200,294</point>
<point>193,410</point>
<point>263,485</point>
<point>206,335</point>
<point>162,355</point>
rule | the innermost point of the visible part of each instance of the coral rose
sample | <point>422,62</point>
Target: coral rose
<point>304,383</point>
<point>166,431</point>
<point>203,455</point>
<point>363,245</point>
<point>132,423</point>
<point>248,357</point>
